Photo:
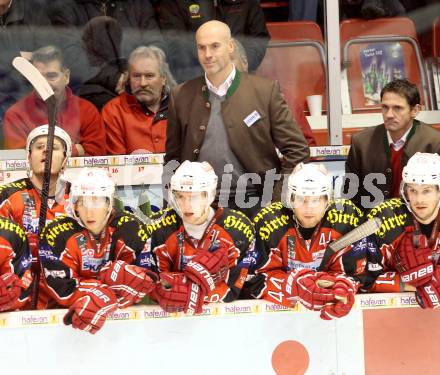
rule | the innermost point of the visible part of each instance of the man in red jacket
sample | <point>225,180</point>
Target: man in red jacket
<point>136,121</point>
<point>78,117</point>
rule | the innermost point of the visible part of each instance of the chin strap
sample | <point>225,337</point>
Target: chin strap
<point>434,232</point>
<point>60,189</point>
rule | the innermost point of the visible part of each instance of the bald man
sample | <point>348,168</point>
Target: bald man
<point>180,19</point>
<point>234,121</point>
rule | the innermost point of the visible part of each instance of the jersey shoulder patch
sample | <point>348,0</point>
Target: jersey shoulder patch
<point>166,222</point>
<point>12,232</point>
<point>58,231</point>
<point>8,189</point>
<point>272,222</point>
<point>238,225</point>
<point>343,216</point>
<point>120,218</point>
<point>395,217</point>
<point>128,229</point>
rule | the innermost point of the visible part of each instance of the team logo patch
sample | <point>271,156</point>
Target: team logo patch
<point>90,263</point>
<point>45,252</point>
<point>146,257</point>
<point>250,259</point>
<point>25,262</point>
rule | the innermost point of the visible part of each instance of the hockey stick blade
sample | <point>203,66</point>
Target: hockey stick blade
<point>362,231</point>
<point>33,76</point>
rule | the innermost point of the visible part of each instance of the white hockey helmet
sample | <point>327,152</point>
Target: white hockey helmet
<point>308,180</point>
<point>44,130</point>
<point>90,182</point>
<point>193,177</point>
<point>423,169</point>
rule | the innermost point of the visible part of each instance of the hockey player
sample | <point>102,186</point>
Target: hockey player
<point>408,239</point>
<point>202,254</point>
<point>292,238</point>
<point>15,261</point>
<point>86,256</point>
<point>20,200</point>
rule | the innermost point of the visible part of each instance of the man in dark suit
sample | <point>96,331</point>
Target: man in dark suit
<point>234,121</point>
<point>378,154</point>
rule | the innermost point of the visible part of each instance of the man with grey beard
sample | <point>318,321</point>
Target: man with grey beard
<point>136,120</point>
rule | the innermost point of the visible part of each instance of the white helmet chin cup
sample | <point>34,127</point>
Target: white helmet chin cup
<point>308,180</point>
<point>91,182</point>
<point>44,130</point>
<point>422,169</point>
<point>193,177</point>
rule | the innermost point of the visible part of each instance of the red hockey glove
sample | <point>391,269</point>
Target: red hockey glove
<point>130,283</point>
<point>413,260</point>
<point>177,293</point>
<point>303,285</point>
<point>428,295</point>
<point>89,312</point>
<point>10,289</point>
<point>207,269</point>
<point>344,290</point>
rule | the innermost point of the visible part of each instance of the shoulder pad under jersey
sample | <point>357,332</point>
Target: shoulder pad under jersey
<point>272,222</point>
<point>119,218</point>
<point>238,226</point>
<point>395,217</point>
<point>16,236</point>
<point>342,215</point>
<point>58,231</point>
<point>8,189</point>
<point>165,223</point>
<point>158,214</point>
<point>12,232</point>
<point>128,229</point>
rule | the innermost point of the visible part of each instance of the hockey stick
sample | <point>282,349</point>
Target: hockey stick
<point>46,93</point>
<point>363,230</point>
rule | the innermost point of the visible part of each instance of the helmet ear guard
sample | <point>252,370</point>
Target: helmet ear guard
<point>193,177</point>
<point>311,180</point>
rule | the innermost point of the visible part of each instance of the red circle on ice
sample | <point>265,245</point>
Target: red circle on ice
<point>290,358</point>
